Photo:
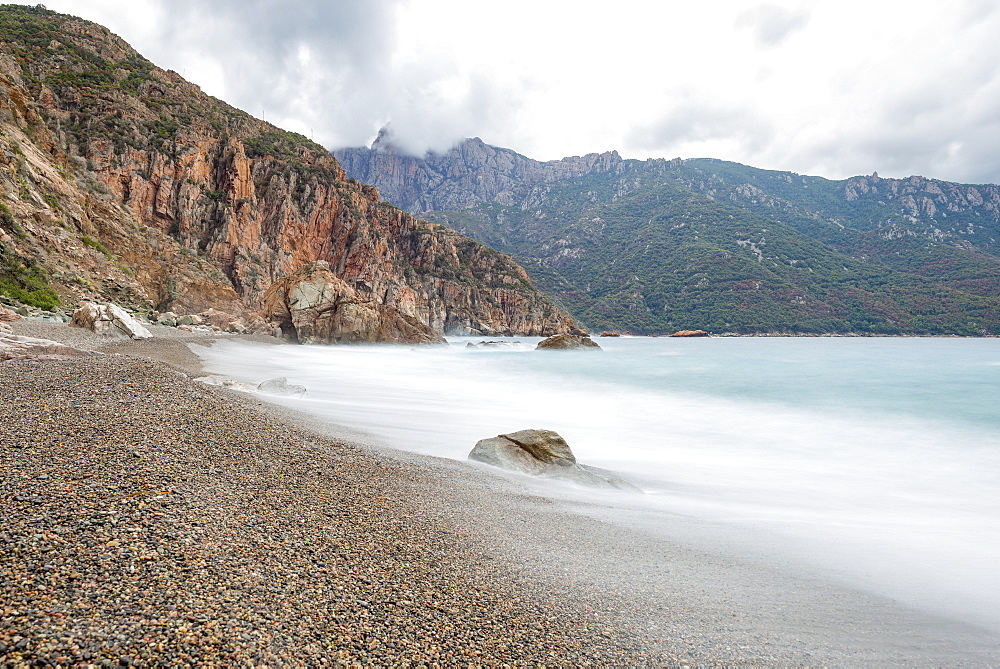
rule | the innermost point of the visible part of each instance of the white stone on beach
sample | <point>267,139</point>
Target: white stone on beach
<point>226,382</point>
<point>109,319</point>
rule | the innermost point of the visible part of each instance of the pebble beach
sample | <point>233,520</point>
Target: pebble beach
<point>152,520</point>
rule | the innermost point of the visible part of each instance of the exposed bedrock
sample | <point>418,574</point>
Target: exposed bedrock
<point>314,306</point>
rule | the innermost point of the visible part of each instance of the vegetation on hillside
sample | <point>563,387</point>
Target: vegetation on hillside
<point>725,247</point>
<point>24,281</point>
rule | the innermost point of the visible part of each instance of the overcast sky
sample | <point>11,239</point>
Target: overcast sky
<point>827,87</point>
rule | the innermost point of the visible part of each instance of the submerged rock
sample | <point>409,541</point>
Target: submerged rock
<point>109,319</point>
<point>568,342</point>
<point>543,453</point>
<point>493,344</point>
<point>280,386</point>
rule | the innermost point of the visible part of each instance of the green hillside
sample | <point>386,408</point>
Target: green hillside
<point>671,255</point>
<point>656,246</point>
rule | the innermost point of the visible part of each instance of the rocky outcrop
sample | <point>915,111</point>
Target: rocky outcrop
<point>314,306</point>
<point>568,342</point>
<point>146,191</point>
<point>110,320</point>
<point>690,333</point>
<point>542,453</point>
<point>7,316</point>
<point>14,347</point>
<point>466,174</point>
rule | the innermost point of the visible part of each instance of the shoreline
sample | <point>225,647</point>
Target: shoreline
<point>517,577</point>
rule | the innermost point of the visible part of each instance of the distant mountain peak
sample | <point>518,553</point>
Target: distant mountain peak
<point>471,171</point>
<point>385,141</point>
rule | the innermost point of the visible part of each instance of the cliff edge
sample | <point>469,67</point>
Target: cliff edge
<point>124,181</point>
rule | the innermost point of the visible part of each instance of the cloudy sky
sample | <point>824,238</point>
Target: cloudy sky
<point>827,87</point>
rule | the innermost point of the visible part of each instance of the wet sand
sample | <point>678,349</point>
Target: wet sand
<point>150,519</point>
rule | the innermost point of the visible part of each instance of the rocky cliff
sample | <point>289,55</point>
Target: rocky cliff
<point>124,181</point>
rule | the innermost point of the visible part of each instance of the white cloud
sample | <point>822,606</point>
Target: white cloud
<point>823,87</point>
<point>772,24</point>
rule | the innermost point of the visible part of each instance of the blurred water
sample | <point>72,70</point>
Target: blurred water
<point>877,459</point>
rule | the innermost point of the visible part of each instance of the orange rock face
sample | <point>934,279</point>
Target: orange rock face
<point>7,316</point>
<point>212,207</point>
<point>265,221</point>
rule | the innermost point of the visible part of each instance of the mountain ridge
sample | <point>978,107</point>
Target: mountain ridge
<point>656,245</point>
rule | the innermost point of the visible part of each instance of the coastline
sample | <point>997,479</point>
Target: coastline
<point>275,543</point>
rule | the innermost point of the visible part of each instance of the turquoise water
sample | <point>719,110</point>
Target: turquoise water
<point>876,460</point>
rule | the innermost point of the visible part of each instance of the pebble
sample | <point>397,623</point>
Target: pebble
<point>244,537</point>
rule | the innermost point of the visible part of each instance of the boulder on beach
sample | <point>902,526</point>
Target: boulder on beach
<point>108,319</point>
<point>543,453</point>
<point>568,342</point>
<point>168,319</point>
<point>690,333</point>
<point>280,386</point>
<point>220,320</point>
<point>13,347</point>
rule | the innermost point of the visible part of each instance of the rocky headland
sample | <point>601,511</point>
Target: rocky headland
<point>122,182</point>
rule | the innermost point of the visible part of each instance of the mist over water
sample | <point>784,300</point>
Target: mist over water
<point>875,462</point>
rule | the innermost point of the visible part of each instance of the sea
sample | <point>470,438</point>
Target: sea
<point>874,462</point>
